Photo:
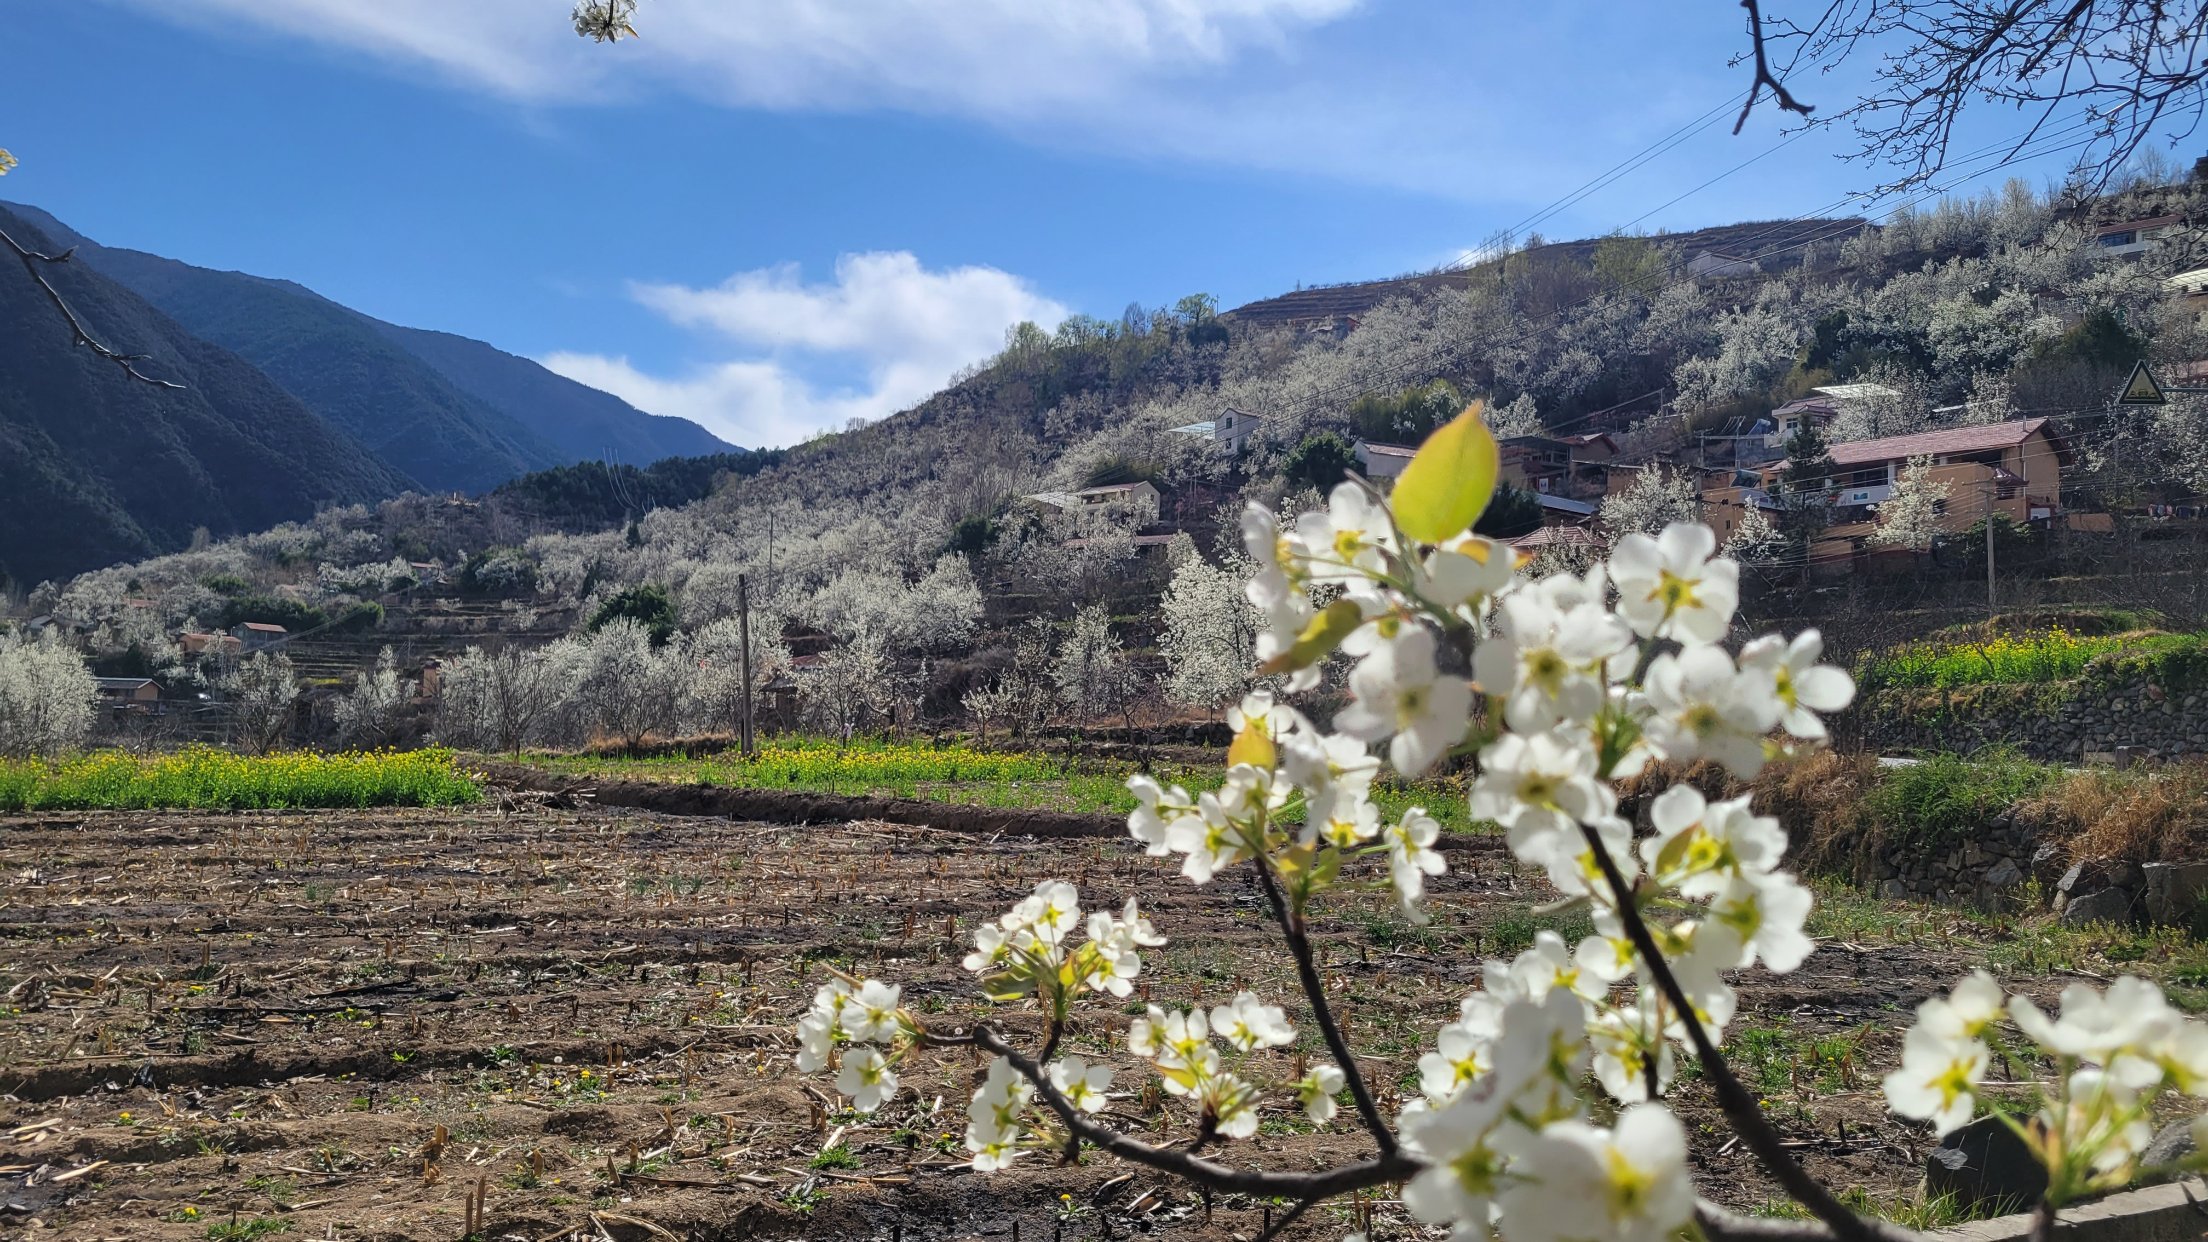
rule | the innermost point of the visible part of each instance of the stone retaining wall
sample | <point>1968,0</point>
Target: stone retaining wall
<point>1996,869</point>
<point>2065,722</point>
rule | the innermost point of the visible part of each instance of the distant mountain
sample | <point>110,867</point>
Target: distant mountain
<point>452,413</point>
<point>96,467</point>
<point>581,422</point>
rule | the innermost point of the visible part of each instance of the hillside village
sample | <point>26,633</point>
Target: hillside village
<point>1845,403</point>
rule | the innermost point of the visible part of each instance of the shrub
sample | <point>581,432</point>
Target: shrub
<point>1945,797</point>
<point>647,605</point>
<point>499,571</point>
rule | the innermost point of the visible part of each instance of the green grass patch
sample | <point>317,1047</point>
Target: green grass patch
<point>204,778</point>
<point>1946,797</point>
<point>2023,659</point>
<point>954,772</point>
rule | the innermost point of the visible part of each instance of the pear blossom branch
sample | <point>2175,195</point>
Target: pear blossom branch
<point>1341,1180</point>
<point>1739,1106</point>
<point>1293,930</point>
<point>83,335</point>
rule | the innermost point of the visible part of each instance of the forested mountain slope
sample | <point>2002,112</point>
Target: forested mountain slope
<point>447,411</point>
<point>96,467</point>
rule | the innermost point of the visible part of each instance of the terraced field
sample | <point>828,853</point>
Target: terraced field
<point>536,1023</point>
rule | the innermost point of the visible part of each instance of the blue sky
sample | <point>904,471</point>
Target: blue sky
<point>774,217</point>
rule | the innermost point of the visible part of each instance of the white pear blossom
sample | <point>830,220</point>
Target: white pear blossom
<point>1403,698</point>
<point>1965,1013</point>
<point>1463,1053</point>
<point>1703,707</point>
<point>1248,1023</point>
<point>1700,847</point>
<point>1802,685</point>
<point>870,1014</point>
<point>1547,662</point>
<point>1766,913</point>
<point>1468,571</point>
<point>1579,1181</point>
<point>2122,1030</point>
<point>1673,586</point>
<point>816,1040</point>
<point>1083,1083</point>
<point>2100,1112</point>
<point>1938,1078</point>
<point>1349,539</point>
<point>867,1078</point>
<point>1051,911</point>
<point>1465,1169</point>
<point>1541,787</point>
<point>1624,1039</point>
<point>1157,809</point>
<point>1316,1091</point>
<point>1412,856</point>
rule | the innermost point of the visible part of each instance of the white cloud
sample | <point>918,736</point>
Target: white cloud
<point>987,58</point>
<point>898,327</point>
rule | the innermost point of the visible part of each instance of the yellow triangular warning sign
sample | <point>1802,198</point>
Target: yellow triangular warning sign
<point>2142,388</point>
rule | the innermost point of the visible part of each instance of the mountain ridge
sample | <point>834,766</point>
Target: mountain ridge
<point>96,467</point>
<point>450,411</point>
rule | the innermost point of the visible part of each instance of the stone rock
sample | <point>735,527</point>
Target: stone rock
<point>2174,891</point>
<point>2123,874</point>
<point>2047,864</point>
<point>2108,905</point>
<point>1893,890</point>
<point>2172,1145</point>
<point>2083,877</point>
<point>2004,875</point>
<point>1986,1167</point>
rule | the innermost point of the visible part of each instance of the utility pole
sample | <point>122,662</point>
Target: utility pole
<point>743,635</point>
<point>1989,550</point>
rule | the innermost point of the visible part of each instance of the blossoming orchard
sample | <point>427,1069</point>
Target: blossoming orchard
<point>1550,691</point>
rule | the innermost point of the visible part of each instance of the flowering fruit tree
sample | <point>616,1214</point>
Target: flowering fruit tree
<point>1551,690</point>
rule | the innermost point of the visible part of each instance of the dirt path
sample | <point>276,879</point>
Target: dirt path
<point>343,1023</point>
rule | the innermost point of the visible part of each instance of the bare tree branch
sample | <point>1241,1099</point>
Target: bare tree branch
<point>83,336</point>
<point>1765,79</point>
<point>2119,70</point>
<point>1735,1100</point>
<point>1325,1184</point>
<point>1293,930</point>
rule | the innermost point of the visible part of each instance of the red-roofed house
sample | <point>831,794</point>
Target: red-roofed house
<point>254,635</point>
<point>2015,467</point>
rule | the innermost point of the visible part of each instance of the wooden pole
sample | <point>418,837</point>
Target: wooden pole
<point>743,634</point>
<point>1989,548</point>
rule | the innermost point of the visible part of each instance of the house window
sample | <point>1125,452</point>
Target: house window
<point>2118,239</point>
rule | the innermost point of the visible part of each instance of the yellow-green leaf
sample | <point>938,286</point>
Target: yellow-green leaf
<point>1334,623</point>
<point>1450,479</point>
<point>1253,746</point>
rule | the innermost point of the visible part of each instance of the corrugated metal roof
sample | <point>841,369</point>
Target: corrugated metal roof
<point>1937,443</point>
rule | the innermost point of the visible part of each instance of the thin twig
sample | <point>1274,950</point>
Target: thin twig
<point>1299,947</point>
<point>1764,77</point>
<point>1739,1106</point>
<point>1341,1180</point>
<point>83,336</point>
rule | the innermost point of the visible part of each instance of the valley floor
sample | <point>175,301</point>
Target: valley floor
<point>342,1024</point>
